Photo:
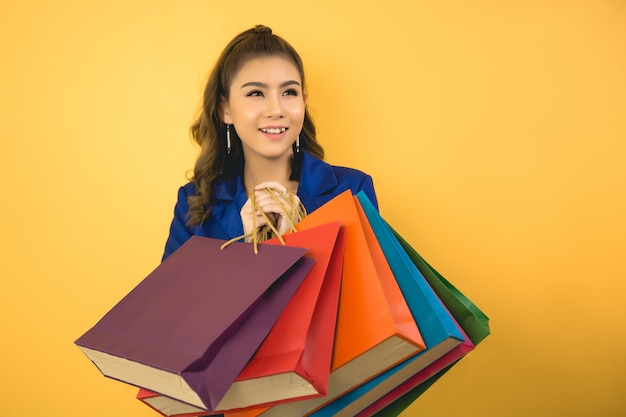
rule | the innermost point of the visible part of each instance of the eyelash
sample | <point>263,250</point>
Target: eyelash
<point>257,93</point>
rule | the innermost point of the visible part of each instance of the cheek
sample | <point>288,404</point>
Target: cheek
<point>242,113</point>
<point>297,110</point>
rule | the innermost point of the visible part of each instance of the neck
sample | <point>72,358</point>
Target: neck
<point>259,170</point>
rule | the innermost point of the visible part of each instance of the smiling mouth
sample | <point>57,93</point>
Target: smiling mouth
<point>274,130</point>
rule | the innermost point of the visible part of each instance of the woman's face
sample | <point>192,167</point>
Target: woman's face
<point>266,107</point>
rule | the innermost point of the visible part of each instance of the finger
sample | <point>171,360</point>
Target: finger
<point>273,195</point>
<point>263,199</point>
<point>271,184</point>
<point>273,204</point>
<point>283,203</point>
<point>246,210</point>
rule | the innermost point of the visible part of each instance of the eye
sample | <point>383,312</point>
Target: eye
<point>255,93</point>
<point>291,92</point>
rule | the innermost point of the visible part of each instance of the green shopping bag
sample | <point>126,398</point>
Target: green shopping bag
<point>473,321</point>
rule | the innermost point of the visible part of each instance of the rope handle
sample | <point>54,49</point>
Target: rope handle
<point>260,234</point>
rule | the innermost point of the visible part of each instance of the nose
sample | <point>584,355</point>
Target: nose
<point>274,106</point>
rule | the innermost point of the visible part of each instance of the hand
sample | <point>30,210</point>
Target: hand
<point>273,207</point>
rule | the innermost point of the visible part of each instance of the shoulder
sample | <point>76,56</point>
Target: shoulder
<point>187,189</point>
<point>349,174</point>
<point>321,181</point>
<point>313,166</point>
<point>184,191</point>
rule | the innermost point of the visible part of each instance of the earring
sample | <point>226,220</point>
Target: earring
<point>228,147</point>
<point>298,143</point>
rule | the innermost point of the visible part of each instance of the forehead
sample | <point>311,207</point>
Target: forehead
<point>267,69</point>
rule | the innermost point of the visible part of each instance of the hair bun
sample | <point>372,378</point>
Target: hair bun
<point>262,29</point>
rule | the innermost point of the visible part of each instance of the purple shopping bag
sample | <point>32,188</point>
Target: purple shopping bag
<point>189,328</point>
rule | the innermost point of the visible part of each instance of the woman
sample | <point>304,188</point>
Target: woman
<point>255,133</point>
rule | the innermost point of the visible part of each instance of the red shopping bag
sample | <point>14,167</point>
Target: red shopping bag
<point>293,362</point>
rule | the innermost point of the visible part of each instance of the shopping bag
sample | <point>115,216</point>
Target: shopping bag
<point>167,406</point>
<point>375,328</point>
<point>473,321</point>
<point>293,362</point>
<point>296,358</point>
<point>189,328</point>
<point>444,338</point>
<point>469,316</point>
<point>402,402</point>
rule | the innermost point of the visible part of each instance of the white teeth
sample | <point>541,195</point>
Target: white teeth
<point>274,130</point>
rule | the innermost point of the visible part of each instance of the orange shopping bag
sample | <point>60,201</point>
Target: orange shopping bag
<point>375,328</point>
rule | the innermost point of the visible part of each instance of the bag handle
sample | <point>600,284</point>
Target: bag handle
<point>292,213</point>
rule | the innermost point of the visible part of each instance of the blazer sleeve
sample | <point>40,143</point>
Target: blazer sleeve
<point>179,232</point>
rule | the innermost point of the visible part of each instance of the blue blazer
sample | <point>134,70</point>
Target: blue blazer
<point>319,183</point>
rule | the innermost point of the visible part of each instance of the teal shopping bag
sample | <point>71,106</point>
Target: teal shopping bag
<point>470,317</point>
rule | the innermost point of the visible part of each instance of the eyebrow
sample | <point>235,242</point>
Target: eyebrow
<point>263,85</point>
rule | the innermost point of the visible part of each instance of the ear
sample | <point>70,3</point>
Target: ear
<point>305,96</point>
<point>225,110</point>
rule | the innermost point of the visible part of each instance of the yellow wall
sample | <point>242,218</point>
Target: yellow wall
<point>495,131</point>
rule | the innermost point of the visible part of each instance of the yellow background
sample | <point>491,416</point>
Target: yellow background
<point>495,132</point>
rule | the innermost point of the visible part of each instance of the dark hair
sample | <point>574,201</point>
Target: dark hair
<point>209,131</point>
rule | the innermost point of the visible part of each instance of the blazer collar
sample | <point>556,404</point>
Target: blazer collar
<point>316,179</point>
<point>230,196</point>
